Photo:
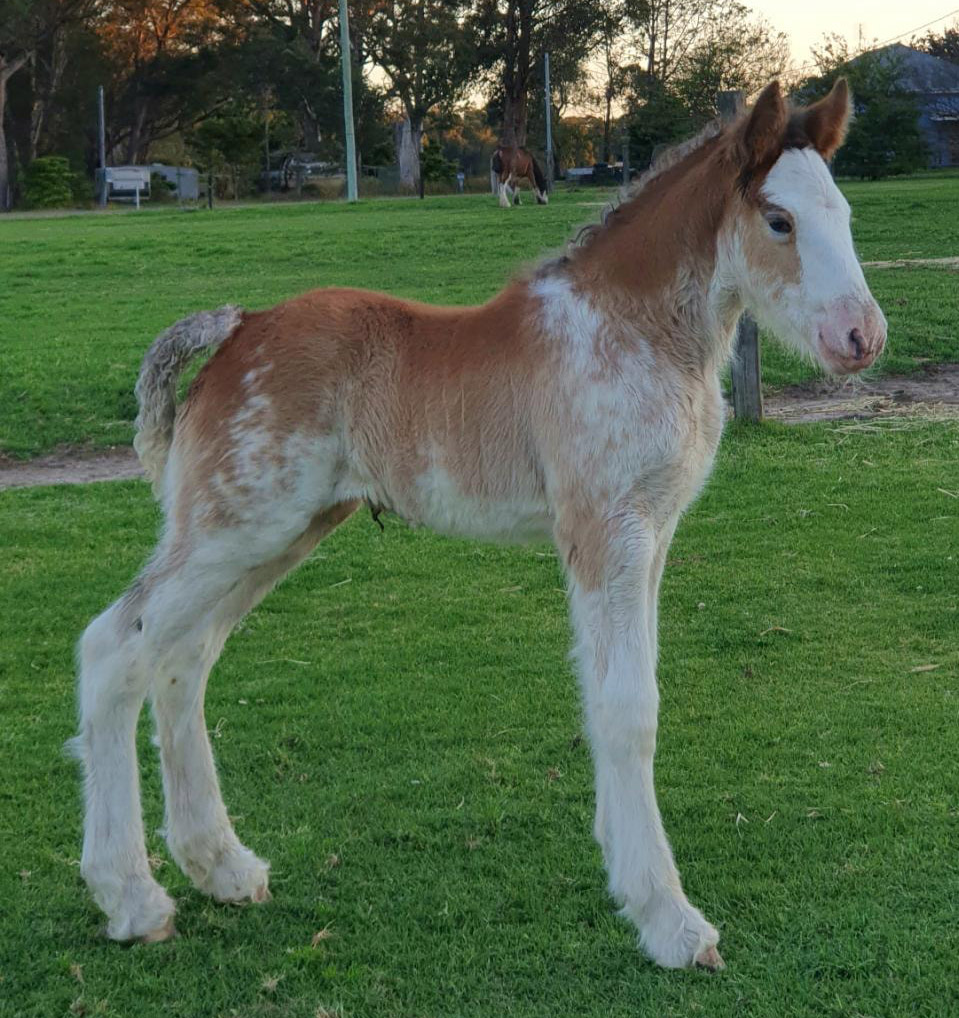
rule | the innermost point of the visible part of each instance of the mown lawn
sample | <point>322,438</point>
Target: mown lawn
<point>81,297</point>
<point>397,730</point>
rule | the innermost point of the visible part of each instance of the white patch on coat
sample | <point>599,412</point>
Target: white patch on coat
<point>442,506</point>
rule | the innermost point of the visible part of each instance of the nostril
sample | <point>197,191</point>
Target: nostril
<point>858,344</point>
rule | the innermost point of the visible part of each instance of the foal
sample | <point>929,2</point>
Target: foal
<point>582,402</point>
<point>508,166</point>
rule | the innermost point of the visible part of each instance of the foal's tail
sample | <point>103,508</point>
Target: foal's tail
<point>156,386</point>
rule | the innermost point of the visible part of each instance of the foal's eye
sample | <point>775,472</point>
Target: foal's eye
<point>780,225</point>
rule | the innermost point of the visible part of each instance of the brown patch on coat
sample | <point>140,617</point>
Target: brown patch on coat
<point>403,380</point>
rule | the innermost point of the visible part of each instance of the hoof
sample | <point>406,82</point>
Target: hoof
<point>675,935</point>
<point>144,914</point>
<point>164,932</point>
<point>261,895</point>
<point>237,878</point>
<point>710,959</point>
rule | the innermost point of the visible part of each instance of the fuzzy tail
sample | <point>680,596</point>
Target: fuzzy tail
<point>538,174</point>
<point>169,354</point>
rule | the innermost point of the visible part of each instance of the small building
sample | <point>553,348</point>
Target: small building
<point>185,180</point>
<point>934,84</point>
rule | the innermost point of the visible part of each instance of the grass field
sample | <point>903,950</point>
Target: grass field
<point>81,297</point>
<point>397,727</point>
<point>397,730</point>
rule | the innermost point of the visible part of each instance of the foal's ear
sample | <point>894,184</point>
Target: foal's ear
<point>826,121</point>
<point>763,130</point>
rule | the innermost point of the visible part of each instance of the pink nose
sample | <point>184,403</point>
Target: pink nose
<point>851,342</point>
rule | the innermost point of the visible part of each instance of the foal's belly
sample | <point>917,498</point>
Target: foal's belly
<point>435,500</point>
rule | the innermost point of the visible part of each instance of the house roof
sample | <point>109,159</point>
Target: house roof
<point>921,72</point>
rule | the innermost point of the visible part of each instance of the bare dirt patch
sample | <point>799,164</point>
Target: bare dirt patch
<point>933,394</point>
<point>904,263</point>
<point>71,466</point>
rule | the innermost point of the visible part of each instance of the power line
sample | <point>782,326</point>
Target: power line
<point>811,64</point>
<point>918,28</point>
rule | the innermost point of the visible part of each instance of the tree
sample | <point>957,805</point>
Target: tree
<point>428,56</point>
<point>163,55</point>
<point>15,52</point>
<point>515,34</point>
<point>945,46</point>
<point>734,51</point>
<point>32,39</point>
<point>884,136</point>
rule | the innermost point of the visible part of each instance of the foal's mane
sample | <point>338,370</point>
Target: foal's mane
<point>666,160</point>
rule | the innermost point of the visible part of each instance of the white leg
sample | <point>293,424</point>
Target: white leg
<point>199,832</point>
<point>112,686</point>
<point>140,641</point>
<point>503,197</point>
<point>611,583</point>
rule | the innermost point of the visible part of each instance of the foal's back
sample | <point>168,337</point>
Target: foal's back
<point>422,410</point>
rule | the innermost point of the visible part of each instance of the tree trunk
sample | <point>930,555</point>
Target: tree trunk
<point>607,148</point>
<point>407,141</point>
<point>45,91</point>
<point>7,70</point>
<point>517,70</point>
<point>4,166</point>
<point>135,142</point>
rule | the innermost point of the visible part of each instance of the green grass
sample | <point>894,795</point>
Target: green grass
<point>420,723</point>
<point>81,297</point>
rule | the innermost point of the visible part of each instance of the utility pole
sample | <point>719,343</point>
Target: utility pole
<point>351,193</point>
<point>745,370</point>
<point>549,127</point>
<point>102,140</point>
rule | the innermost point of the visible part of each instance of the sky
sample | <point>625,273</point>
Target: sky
<point>805,21</point>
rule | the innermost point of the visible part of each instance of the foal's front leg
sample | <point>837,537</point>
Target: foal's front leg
<point>613,564</point>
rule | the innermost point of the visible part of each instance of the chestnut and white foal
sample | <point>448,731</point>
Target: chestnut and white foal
<point>582,402</point>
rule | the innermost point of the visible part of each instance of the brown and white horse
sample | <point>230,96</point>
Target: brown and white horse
<point>582,403</point>
<point>508,166</point>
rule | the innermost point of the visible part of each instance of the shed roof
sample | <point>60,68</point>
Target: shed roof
<point>921,72</point>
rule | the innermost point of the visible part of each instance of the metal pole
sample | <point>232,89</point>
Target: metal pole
<point>549,127</point>
<point>746,369</point>
<point>102,138</point>
<point>351,193</point>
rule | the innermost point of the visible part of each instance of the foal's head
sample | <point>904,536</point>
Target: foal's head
<point>789,244</point>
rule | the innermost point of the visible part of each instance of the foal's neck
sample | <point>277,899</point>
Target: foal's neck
<point>655,263</point>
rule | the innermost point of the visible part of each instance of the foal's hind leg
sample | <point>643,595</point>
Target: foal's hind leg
<point>199,833</point>
<point>165,631</point>
<point>112,685</point>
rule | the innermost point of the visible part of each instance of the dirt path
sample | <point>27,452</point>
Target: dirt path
<point>934,394</point>
<point>71,466</point>
<point>904,263</point>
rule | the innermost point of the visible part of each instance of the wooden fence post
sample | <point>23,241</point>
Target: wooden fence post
<point>745,370</point>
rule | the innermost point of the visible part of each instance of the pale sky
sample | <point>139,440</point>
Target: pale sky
<point>805,21</point>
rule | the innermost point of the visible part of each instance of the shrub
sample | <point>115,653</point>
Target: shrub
<point>161,189</point>
<point>48,183</point>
